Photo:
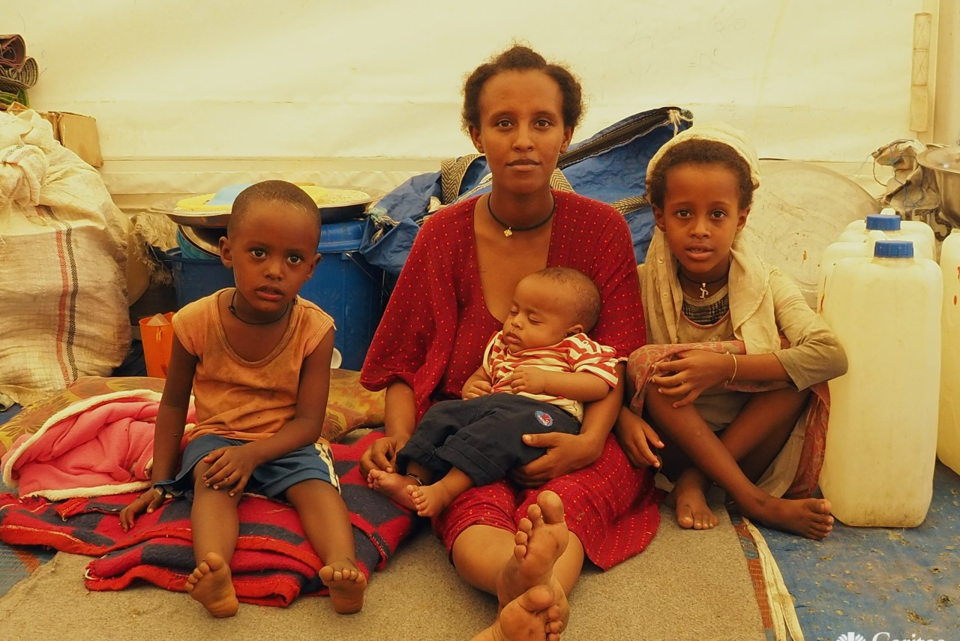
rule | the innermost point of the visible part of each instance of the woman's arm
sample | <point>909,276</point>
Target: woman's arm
<point>400,420</point>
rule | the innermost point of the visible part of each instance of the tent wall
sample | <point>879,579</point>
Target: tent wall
<point>192,95</point>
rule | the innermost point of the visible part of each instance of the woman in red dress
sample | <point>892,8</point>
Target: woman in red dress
<point>453,294</point>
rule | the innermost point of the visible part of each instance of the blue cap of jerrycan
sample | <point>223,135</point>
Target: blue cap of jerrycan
<point>893,249</point>
<point>883,222</point>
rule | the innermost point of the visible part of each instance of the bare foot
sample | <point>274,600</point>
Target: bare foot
<point>541,539</point>
<point>212,585</point>
<point>533,616</point>
<point>393,486</point>
<point>430,500</point>
<point>347,584</point>
<point>807,517</point>
<point>689,499</point>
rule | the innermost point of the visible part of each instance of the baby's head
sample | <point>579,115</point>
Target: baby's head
<point>701,185</point>
<point>550,305</point>
<point>271,246</point>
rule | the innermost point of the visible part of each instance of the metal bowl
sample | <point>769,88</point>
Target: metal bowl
<point>945,162</point>
<point>204,239</point>
<point>329,212</point>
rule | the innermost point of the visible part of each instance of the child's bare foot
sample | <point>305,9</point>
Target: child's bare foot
<point>393,485</point>
<point>347,584</point>
<point>541,539</point>
<point>689,500</point>
<point>533,616</point>
<point>212,585</point>
<point>807,517</point>
<point>430,500</point>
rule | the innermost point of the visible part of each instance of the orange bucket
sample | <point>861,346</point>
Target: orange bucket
<point>156,332</point>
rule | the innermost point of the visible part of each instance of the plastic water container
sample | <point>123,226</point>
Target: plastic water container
<point>882,435</point>
<point>344,284</point>
<point>835,252</point>
<point>889,221</point>
<point>948,437</point>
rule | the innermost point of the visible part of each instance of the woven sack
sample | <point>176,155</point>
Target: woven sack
<point>62,265</point>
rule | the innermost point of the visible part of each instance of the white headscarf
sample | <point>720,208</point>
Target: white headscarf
<point>717,132</point>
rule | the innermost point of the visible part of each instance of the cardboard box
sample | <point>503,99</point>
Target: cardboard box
<point>78,133</point>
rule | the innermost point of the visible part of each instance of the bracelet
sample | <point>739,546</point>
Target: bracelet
<point>415,477</point>
<point>734,375</point>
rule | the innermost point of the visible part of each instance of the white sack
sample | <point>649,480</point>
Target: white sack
<point>63,308</point>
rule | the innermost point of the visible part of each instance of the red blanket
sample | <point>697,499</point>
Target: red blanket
<point>273,564</point>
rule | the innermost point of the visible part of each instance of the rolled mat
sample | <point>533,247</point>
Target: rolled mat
<point>13,50</point>
<point>19,78</point>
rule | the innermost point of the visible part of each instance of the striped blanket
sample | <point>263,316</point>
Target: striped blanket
<point>273,564</point>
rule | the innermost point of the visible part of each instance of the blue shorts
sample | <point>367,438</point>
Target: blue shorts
<point>270,479</point>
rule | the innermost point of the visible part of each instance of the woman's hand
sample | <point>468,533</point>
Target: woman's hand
<point>565,453</point>
<point>636,437</point>
<point>381,455</point>
<point>149,501</point>
<point>690,373</point>
<point>230,467</point>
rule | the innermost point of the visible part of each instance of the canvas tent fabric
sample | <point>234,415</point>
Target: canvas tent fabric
<point>610,166</point>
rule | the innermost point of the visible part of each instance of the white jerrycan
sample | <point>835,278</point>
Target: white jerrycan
<point>882,434</point>
<point>948,437</point>
<point>889,222</point>
<point>839,250</point>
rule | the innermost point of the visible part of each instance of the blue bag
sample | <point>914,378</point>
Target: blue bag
<point>610,166</point>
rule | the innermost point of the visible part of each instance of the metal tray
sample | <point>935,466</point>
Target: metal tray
<point>329,213</point>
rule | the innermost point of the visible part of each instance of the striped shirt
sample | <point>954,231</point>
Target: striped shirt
<point>574,354</point>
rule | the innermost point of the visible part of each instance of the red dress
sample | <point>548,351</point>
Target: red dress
<point>432,337</point>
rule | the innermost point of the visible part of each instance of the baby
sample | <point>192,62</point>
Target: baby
<point>537,373</point>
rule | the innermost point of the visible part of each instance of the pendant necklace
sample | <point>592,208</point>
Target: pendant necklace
<point>233,310</point>
<point>508,230</point>
<point>704,292</point>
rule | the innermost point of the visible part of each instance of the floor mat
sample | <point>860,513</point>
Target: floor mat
<point>18,562</point>
<point>862,582</point>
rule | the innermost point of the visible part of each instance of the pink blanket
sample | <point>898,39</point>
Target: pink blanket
<point>97,447</point>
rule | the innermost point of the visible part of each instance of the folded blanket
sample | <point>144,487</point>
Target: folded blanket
<point>94,447</point>
<point>801,457</point>
<point>273,564</point>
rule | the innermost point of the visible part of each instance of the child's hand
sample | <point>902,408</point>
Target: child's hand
<point>636,437</point>
<point>230,467</point>
<point>690,373</point>
<point>532,380</point>
<point>381,455</point>
<point>475,389</point>
<point>149,501</point>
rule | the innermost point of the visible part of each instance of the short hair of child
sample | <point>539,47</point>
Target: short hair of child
<point>271,190</point>
<point>700,152</point>
<point>521,58</point>
<point>585,291</point>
